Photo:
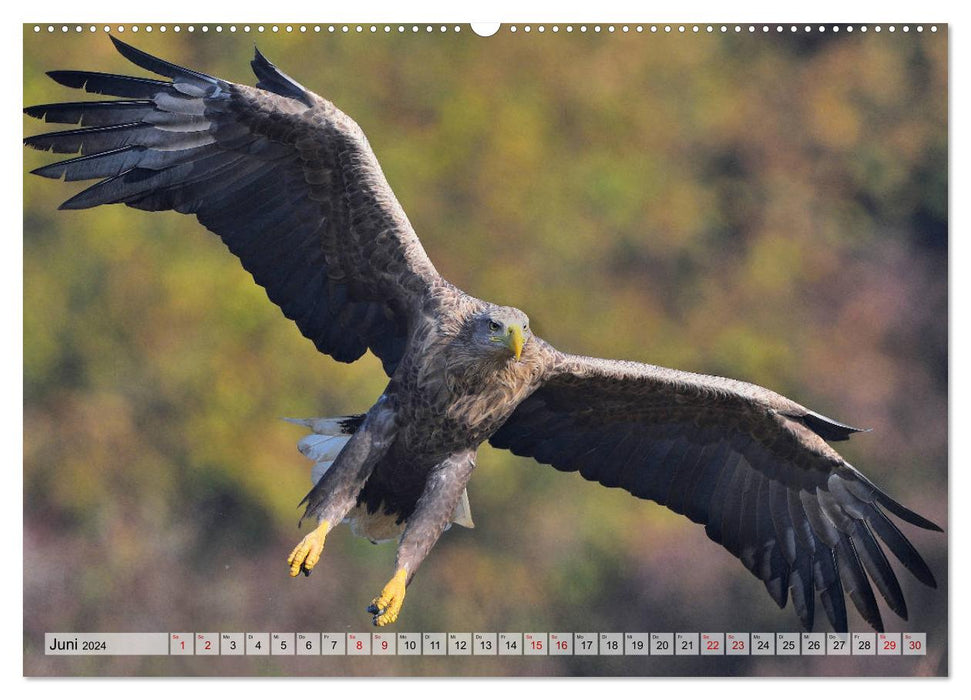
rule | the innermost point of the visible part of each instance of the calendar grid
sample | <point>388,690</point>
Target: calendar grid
<point>486,644</point>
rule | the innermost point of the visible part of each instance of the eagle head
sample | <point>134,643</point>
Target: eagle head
<point>500,332</point>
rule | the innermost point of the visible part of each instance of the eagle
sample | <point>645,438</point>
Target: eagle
<point>291,186</point>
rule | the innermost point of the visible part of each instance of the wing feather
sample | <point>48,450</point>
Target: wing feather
<point>829,587</point>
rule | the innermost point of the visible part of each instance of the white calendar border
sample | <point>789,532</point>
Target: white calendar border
<point>11,652</point>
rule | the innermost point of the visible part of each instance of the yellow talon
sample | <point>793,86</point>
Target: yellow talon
<point>386,606</point>
<point>306,554</point>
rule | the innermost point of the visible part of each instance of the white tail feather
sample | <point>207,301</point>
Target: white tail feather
<point>322,448</point>
<point>463,511</point>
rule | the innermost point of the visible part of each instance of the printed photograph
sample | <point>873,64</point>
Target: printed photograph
<point>572,350</point>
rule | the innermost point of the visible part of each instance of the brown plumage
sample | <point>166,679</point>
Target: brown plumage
<point>292,187</point>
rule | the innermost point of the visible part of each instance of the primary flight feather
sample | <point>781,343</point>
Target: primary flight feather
<point>290,184</point>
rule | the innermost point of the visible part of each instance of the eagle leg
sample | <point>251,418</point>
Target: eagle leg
<point>444,487</point>
<point>336,493</point>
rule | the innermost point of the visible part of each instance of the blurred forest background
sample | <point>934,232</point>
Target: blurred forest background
<point>768,207</point>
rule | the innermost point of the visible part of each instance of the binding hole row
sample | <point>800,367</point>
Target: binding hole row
<point>512,29</point>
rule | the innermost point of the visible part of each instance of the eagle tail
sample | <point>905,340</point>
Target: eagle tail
<point>327,439</point>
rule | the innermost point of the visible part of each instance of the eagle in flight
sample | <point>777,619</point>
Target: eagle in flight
<point>290,184</point>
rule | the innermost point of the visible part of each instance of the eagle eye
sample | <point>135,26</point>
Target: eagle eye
<point>494,326</point>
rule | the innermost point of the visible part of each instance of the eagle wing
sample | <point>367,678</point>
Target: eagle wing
<point>287,181</point>
<point>750,465</point>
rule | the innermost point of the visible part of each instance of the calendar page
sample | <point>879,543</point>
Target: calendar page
<point>430,279</point>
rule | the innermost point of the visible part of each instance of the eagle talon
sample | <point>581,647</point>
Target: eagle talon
<point>385,607</point>
<point>305,555</point>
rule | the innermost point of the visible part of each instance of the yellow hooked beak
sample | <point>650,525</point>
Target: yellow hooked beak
<point>515,340</point>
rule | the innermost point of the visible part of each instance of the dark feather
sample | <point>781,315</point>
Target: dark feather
<point>698,501</point>
<point>692,460</point>
<point>96,139</point>
<point>829,429</point>
<point>856,584</point>
<point>273,79</point>
<point>158,66</point>
<point>829,588</point>
<point>109,84</point>
<point>900,546</point>
<point>878,568</point>
<point>92,113</point>
<point>801,589</point>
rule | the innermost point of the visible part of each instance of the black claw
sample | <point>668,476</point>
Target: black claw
<point>306,571</point>
<point>373,609</point>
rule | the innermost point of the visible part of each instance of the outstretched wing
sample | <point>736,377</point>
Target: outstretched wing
<point>287,181</point>
<point>749,464</point>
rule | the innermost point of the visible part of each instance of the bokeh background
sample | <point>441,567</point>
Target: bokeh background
<point>771,207</point>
